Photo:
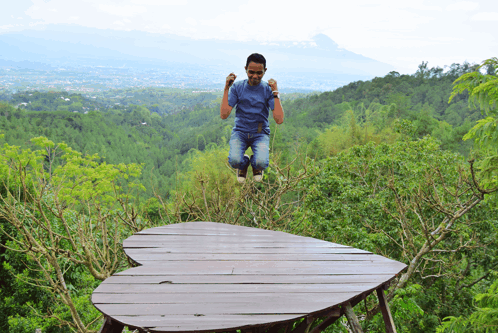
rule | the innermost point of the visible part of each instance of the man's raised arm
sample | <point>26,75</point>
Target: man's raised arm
<point>225,109</point>
<point>278,111</point>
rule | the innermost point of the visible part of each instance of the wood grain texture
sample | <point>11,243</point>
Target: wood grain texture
<point>206,276</point>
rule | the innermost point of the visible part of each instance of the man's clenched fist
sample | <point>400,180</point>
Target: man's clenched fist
<point>230,79</point>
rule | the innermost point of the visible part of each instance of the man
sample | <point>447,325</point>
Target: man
<point>253,99</point>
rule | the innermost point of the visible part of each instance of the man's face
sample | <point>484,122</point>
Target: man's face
<point>255,73</point>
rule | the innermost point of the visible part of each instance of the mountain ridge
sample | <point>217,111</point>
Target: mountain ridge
<point>80,46</point>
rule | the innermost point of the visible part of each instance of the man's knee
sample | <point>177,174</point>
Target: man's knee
<point>261,162</point>
<point>235,162</point>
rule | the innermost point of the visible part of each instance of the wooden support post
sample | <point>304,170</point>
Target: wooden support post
<point>352,319</point>
<point>111,326</point>
<point>331,317</point>
<point>304,326</point>
<point>386,313</point>
<point>252,329</point>
<point>259,329</point>
<point>276,328</point>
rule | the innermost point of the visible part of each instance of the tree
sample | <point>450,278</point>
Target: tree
<point>483,320</point>
<point>66,213</point>
<point>209,192</point>
<point>483,93</point>
<point>409,201</point>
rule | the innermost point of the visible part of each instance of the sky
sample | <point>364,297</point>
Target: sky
<point>397,32</point>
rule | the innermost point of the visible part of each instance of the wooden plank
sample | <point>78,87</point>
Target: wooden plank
<point>237,243</point>
<point>200,328</point>
<point>275,271</point>
<point>220,264</point>
<point>245,250</point>
<point>261,268</point>
<point>278,300</point>
<point>206,322</point>
<point>228,239</point>
<point>389,271</point>
<point>254,257</point>
<point>232,288</point>
<point>252,232</point>
<point>208,226</point>
<point>265,264</point>
<point>309,306</point>
<point>212,232</point>
<point>209,318</point>
<point>245,279</point>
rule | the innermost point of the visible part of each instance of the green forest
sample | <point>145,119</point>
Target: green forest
<point>404,166</point>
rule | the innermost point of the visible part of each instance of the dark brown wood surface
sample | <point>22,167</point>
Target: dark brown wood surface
<point>206,276</point>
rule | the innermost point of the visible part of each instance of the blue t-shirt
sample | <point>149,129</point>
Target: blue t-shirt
<point>252,105</point>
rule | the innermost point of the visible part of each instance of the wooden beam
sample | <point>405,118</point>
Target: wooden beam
<point>353,321</point>
<point>252,329</point>
<point>386,313</point>
<point>111,326</point>
<point>276,328</point>
<point>304,326</point>
<point>331,317</point>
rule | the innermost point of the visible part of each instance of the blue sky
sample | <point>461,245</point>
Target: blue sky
<point>399,32</point>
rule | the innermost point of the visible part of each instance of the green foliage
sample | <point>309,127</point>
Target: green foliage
<point>404,309</point>
<point>404,201</point>
<point>210,191</point>
<point>483,93</point>
<point>63,218</point>
<point>51,101</point>
<point>484,319</point>
<point>373,191</point>
<point>482,88</point>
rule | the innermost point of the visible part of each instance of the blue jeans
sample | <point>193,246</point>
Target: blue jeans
<point>260,145</point>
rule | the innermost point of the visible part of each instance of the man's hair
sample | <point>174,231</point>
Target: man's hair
<point>257,58</point>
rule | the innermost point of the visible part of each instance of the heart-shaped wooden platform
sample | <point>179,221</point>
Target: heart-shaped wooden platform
<point>206,276</point>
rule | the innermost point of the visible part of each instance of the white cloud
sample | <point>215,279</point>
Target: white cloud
<point>34,24</point>
<point>124,11</point>
<point>160,2</point>
<point>7,26</point>
<point>463,5</point>
<point>191,21</point>
<point>402,33</point>
<point>419,5</point>
<point>488,16</point>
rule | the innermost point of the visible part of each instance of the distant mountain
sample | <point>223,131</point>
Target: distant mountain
<point>319,60</point>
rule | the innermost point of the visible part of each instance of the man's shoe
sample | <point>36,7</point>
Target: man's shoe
<point>242,174</point>
<point>257,175</point>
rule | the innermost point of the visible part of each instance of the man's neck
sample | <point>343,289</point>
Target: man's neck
<point>253,85</point>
